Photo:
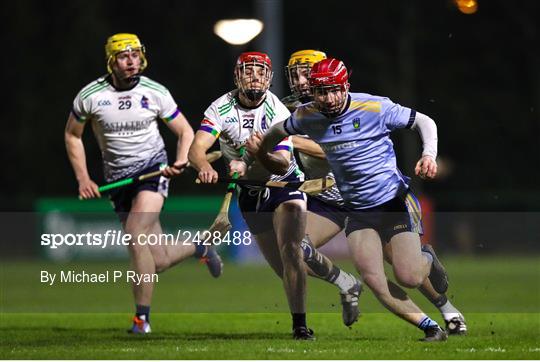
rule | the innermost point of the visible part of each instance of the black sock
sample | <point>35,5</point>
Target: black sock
<point>440,301</point>
<point>298,320</point>
<point>143,310</point>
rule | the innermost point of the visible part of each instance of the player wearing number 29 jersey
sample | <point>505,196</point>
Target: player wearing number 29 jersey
<point>126,123</point>
<point>123,109</point>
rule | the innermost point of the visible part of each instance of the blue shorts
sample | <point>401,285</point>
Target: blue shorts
<point>258,205</point>
<point>333,213</point>
<point>122,197</point>
<point>401,214</point>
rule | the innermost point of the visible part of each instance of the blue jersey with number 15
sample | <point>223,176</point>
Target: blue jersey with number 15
<point>358,147</point>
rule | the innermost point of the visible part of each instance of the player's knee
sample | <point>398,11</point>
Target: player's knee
<point>292,208</point>
<point>408,278</point>
<point>161,265</point>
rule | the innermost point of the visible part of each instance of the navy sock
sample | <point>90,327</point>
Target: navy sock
<point>426,323</point>
<point>333,275</point>
<point>200,250</point>
<point>298,320</point>
<point>143,310</point>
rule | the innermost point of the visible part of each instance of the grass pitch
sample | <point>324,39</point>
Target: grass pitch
<point>243,315</point>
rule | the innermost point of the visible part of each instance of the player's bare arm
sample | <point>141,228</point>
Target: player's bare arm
<point>309,147</point>
<point>276,162</point>
<point>426,167</point>
<point>75,149</point>
<point>197,157</point>
<point>181,128</point>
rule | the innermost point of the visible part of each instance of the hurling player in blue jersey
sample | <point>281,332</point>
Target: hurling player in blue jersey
<point>325,219</point>
<point>353,130</point>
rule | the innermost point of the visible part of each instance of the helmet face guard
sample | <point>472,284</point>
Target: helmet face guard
<point>298,71</point>
<point>253,75</point>
<point>122,42</point>
<point>329,86</point>
<point>330,99</point>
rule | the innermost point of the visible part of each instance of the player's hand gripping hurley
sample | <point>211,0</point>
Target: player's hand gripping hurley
<point>210,157</point>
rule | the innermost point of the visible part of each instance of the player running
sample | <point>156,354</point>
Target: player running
<point>353,130</point>
<point>325,215</point>
<point>323,220</point>
<point>123,109</point>
<point>276,217</point>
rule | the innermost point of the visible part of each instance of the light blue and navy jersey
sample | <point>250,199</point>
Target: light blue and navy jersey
<point>358,147</point>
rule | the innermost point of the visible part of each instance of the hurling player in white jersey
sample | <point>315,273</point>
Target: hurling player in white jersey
<point>353,130</point>
<point>123,109</point>
<point>324,219</point>
<point>276,217</point>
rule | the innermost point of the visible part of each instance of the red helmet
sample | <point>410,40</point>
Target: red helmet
<point>328,72</point>
<point>329,86</point>
<point>254,57</point>
<point>253,74</point>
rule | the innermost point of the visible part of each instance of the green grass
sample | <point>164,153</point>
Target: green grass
<point>243,315</point>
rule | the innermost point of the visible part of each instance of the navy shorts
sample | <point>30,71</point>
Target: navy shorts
<point>401,214</point>
<point>122,197</point>
<point>333,213</point>
<point>258,205</point>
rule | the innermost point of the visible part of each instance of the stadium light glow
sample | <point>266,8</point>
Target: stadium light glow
<point>467,6</point>
<point>238,31</point>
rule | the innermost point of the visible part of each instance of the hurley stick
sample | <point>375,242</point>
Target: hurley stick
<point>210,157</point>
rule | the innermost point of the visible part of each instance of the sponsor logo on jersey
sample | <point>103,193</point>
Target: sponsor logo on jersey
<point>231,120</point>
<point>144,102</point>
<point>104,102</point>
<point>356,124</point>
<point>339,146</point>
<point>129,126</point>
<point>124,97</point>
<point>400,227</point>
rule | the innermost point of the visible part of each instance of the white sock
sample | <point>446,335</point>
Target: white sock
<point>344,281</point>
<point>449,311</point>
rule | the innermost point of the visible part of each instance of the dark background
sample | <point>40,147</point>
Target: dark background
<point>476,75</point>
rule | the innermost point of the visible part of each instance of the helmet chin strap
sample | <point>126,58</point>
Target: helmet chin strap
<point>127,81</point>
<point>254,94</point>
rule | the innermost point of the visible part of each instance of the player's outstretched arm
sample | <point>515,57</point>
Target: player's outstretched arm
<point>75,149</point>
<point>308,146</point>
<point>181,128</point>
<point>426,167</point>
<point>276,162</point>
<point>197,157</point>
